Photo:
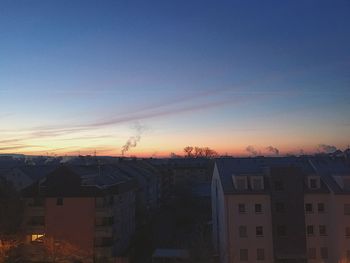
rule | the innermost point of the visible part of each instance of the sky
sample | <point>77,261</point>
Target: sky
<point>85,77</point>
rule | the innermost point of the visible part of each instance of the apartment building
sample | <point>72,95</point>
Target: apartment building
<point>281,210</point>
<point>89,207</point>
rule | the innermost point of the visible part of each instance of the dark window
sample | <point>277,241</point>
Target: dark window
<point>313,183</point>
<point>323,230</point>
<point>347,209</point>
<point>258,208</point>
<point>347,231</point>
<point>308,208</point>
<point>279,185</point>
<point>312,253</point>
<point>59,201</point>
<point>324,252</point>
<point>310,230</point>
<point>243,231</point>
<point>241,208</point>
<point>243,254</point>
<point>279,207</point>
<point>259,231</point>
<point>282,230</point>
<point>260,254</point>
<point>320,207</point>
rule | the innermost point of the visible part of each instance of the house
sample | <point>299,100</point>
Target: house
<point>90,207</point>
<point>285,209</point>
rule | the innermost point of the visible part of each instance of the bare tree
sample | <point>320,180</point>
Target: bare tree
<point>188,151</point>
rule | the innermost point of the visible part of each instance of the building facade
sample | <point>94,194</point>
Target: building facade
<point>281,210</point>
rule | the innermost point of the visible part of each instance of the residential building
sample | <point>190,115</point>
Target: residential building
<point>285,209</point>
<point>89,207</point>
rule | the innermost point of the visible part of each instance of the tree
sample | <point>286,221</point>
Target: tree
<point>188,151</point>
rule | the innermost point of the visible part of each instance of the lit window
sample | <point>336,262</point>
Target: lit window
<point>37,237</point>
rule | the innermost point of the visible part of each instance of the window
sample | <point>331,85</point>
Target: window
<point>257,183</point>
<point>320,207</point>
<point>279,185</point>
<point>310,230</point>
<point>347,232</point>
<point>324,252</point>
<point>260,254</point>
<point>259,231</point>
<point>59,201</point>
<point>346,209</point>
<point>241,182</point>
<point>313,184</point>
<point>279,207</point>
<point>323,231</point>
<point>308,208</point>
<point>258,208</point>
<point>312,253</point>
<point>241,208</point>
<point>243,254</point>
<point>282,230</point>
<point>243,231</point>
<point>36,237</point>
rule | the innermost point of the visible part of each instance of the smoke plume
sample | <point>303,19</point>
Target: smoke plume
<point>250,149</point>
<point>273,150</point>
<point>327,148</point>
<point>133,140</point>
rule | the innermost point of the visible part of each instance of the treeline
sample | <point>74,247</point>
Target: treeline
<point>196,152</point>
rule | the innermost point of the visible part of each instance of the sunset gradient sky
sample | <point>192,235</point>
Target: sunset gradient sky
<point>79,76</point>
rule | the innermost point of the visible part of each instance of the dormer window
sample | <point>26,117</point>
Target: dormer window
<point>240,182</point>
<point>314,182</point>
<point>257,182</point>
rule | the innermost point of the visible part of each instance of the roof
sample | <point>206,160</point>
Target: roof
<point>321,166</point>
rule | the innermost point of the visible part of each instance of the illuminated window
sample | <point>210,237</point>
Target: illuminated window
<point>37,237</point>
